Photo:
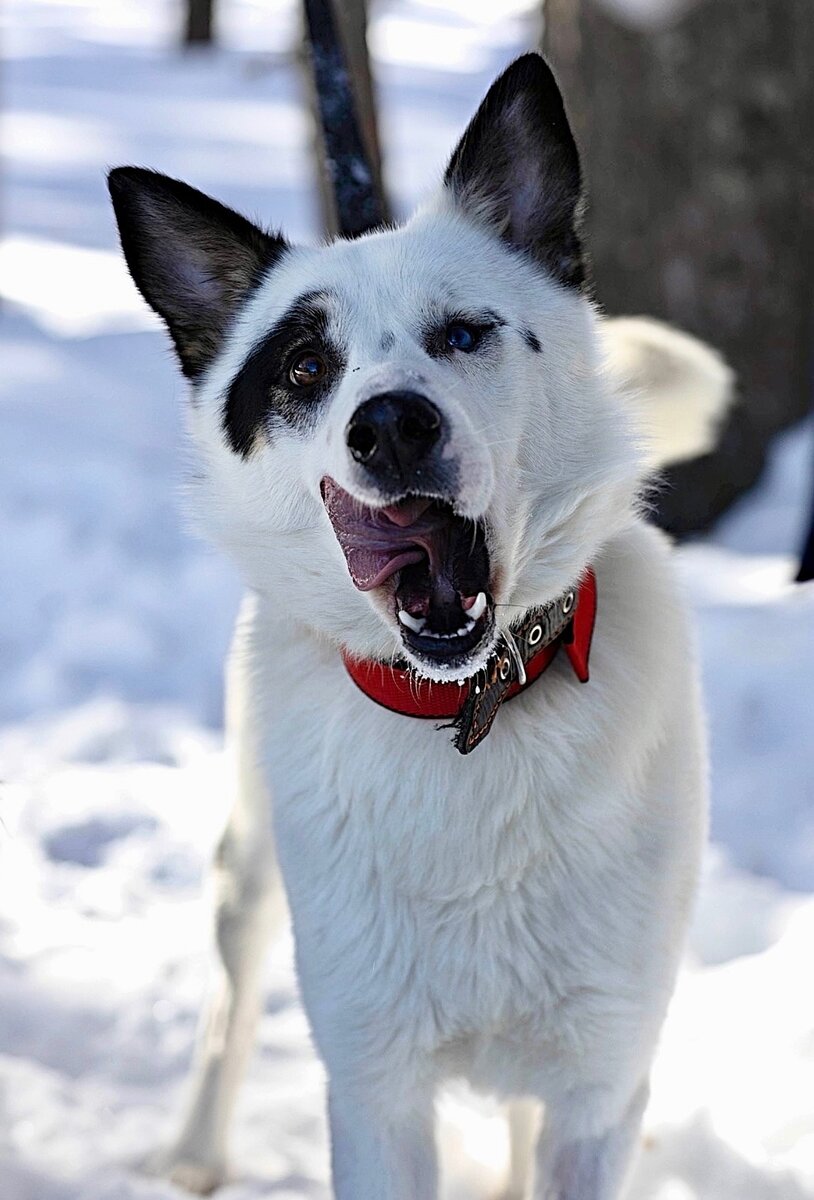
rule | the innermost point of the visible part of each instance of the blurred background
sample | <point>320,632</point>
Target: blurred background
<point>695,121</point>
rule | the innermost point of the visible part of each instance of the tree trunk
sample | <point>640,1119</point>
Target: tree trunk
<point>696,143</point>
<point>806,572</point>
<point>199,22</point>
<point>351,19</point>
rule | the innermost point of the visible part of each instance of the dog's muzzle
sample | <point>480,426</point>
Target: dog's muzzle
<point>394,437</point>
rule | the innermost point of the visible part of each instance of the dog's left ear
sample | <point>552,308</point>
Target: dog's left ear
<point>516,169</point>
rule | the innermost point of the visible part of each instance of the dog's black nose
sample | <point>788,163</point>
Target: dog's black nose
<point>392,433</point>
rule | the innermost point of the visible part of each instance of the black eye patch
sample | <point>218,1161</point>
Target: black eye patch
<point>263,387</point>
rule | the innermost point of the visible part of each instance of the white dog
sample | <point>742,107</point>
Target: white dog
<point>413,446</point>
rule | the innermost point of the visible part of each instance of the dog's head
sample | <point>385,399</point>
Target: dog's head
<point>404,439</point>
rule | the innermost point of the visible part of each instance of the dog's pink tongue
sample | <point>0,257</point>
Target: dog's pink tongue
<point>407,512</point>
<point>369,569</point>
<point>376,542</point>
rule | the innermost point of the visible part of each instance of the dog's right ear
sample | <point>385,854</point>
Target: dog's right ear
<point>193,260</point>
<point>516,169</point>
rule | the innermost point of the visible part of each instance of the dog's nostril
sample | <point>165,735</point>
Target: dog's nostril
<point>362,441</point>
<point>420,426</point>
<point>393,433</point>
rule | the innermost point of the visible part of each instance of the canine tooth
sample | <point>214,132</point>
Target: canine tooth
<point>414,623</point>
<point>478,608</point>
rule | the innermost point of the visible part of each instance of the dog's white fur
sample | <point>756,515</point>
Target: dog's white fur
<point>516,916</point>
<point>679,387</point>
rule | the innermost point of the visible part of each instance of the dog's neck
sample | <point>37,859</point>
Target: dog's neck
<point>523,654</point>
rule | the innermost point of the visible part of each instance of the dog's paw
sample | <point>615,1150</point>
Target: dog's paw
<point>199,1178</point>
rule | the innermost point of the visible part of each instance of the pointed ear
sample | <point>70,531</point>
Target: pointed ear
<point>516,169</point>
<point>193,260</point>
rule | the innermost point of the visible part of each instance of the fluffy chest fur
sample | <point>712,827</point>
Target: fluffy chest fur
<point>458,900</point>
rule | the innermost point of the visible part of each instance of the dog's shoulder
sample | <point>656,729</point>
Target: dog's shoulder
<point>643,662</point>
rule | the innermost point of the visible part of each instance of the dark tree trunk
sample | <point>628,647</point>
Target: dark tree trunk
<point>697,146</point>
<point>199,22</point>
<point>351,18</point>
<point>806,571</point>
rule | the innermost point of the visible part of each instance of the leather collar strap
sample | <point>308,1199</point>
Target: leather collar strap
<point>472,707</point>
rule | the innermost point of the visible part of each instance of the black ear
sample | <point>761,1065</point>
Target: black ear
<point>193,260</point>
<point>517,169</point>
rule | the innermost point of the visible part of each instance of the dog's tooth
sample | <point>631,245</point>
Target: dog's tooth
<point>415,623</point>
<point>418,626</point>
<point>478,608</point>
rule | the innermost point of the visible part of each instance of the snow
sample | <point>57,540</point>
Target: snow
<point>114,620</point>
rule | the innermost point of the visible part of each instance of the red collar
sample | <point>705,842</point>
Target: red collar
<point>472,707</point>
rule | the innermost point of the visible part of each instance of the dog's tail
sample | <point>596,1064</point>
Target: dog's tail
<point>680,388</point>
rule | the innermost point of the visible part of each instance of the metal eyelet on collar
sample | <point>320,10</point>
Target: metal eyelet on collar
<point>535,635</point>
<point>504,668</point>
<point>568,602</point>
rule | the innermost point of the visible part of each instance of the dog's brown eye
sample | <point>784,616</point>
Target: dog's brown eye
<point>307,369</point>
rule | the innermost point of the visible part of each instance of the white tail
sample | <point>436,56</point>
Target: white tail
<point>680,388</point>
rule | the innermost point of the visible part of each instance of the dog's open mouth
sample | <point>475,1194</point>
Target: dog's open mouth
<point>436,563</point>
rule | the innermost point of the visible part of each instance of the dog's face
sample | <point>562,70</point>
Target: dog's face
<point>404,439</point>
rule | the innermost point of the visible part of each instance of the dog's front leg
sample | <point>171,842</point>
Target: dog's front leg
<point>572,1165</point>
<point>383,1149</point>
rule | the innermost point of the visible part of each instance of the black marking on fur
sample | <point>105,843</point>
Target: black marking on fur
<point>195,261</point>
<point>434,327</point>
<point>262,390</point>
<point>531,340</point>
<point>516,170</point>
<point>387,342</point>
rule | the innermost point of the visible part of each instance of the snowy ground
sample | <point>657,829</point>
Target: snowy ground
<point>114,619</point>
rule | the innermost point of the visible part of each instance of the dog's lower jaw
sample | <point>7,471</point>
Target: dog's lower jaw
<point>440,672</point>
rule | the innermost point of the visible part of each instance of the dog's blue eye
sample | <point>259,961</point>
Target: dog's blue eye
<point>462,337</point>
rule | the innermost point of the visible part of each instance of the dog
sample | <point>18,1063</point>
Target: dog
<point>425,450</point>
